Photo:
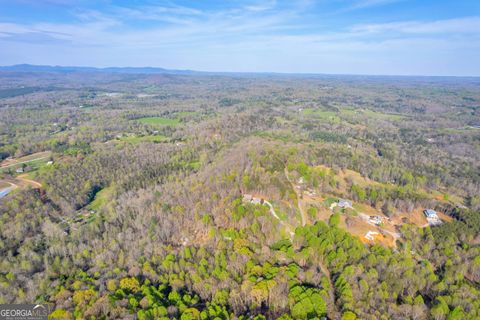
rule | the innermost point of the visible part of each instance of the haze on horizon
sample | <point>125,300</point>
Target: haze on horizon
<point>394,37</point>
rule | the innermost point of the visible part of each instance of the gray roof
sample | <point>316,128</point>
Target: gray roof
<point>430,213</point>
<point>344,203</point>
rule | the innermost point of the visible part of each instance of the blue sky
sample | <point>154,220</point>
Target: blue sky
<point>404,37</point>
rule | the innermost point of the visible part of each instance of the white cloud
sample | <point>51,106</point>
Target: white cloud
<point>361,4</point>
<point>460,25</point>
<point>262,36</point>
<point>261,6</point>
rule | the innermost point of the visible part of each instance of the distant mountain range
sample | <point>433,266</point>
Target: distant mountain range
<point>68,69</point>
<point>31,68</point>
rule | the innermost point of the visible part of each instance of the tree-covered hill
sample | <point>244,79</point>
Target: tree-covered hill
<point>219,197</point>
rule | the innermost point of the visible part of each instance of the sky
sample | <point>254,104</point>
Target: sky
<point>388,37</point>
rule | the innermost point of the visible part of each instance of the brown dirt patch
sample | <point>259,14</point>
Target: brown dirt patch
<point>358,227</point>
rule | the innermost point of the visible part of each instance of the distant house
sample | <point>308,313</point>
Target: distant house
<point>50,162</point>
<point>257,201</point>
<point>19,170</point>
<point>432,217</point>
<point>248,198</point>
<point>344,203</point>
<point>370,235</point>
<point>375,219</point>
<point>430,214</point>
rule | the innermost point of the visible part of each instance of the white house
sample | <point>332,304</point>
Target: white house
<point>430,214</point>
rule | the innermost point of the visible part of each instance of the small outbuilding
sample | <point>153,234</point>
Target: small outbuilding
<point>344,203</point>
<point>248,198</point>
<point>376,220</point>
<point>370,235</point>
<point>430,214</point>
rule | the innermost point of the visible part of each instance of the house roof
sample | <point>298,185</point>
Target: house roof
<point>430,212</point>
<point>343,202</point>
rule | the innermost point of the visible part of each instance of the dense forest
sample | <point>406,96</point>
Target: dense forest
<point>150,196</point>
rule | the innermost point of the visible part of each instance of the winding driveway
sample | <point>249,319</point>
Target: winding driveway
<point>299,198</point>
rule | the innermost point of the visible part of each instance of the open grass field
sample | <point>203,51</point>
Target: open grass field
<point>159,121</point>
<point>31,165</point>
<point>140,139</point>
<point>381,115</point>
<point>25,159</point>
<point>345,114</point>
<point>32,161</point>
<point>101,198</point>
<point>367,113</point>
<point>466,129</point>
<point>331,116</point>
<point>185,113</point>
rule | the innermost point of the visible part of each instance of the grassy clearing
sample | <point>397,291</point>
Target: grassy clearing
<point>328,202</point>
<point>32,165</point>
<point>458,130</point>
<point>366,113</point>
<point>322,114</point>
<point>356,178</point>
<point>159,121</point>
<point>151,89</point>
<point>385,116</point>
<point>32,175</point>
<point>101,198</point>
<point>27,158</point>
<point>360,207</point>
<point>282,215</point>
<point>4,185</point>
<point>140,139</point>
<point>185,113</point>
<point>35,156</point>
<point>195,165</point>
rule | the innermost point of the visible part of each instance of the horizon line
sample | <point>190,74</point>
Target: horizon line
<point>193,71</point>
